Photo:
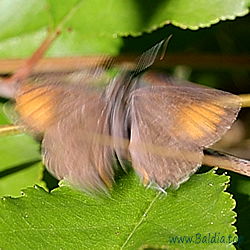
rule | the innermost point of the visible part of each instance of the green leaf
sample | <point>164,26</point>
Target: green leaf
<point>26,175</point>
<point>94,26</point>
<point>131,217</point>
<point>240,187</point>
<point>3,118</point>
<point>197,14</point>
<point>19,164</point>
<point>14,148</point>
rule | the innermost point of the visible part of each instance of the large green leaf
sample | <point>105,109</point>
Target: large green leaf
<point>94,26</point>
<point>131,217</point>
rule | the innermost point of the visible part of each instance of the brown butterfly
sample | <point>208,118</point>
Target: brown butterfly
<point>159,124</point>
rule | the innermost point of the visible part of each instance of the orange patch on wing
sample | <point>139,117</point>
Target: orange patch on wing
<point>35,106</point>
<point>198,120</point>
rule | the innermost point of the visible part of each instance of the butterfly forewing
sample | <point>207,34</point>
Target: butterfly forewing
<point>74,147</point>
<point>171,125</point>
<point>72,119</point>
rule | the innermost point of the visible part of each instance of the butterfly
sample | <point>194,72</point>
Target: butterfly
<point>160,124</point>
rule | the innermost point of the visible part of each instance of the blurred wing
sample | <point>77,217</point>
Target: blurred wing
<point>74,122</point>
<point>40,106</point>
<point>86,71</point>
<point>170,126</point>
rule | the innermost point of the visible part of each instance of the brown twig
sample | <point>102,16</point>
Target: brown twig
<point>70,63</point>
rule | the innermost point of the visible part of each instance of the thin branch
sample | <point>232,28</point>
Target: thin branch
<point>71,63</point>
